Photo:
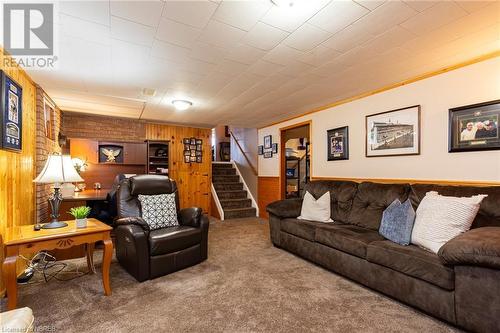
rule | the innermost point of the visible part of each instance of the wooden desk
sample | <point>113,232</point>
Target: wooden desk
<point>89,195</point>
<point>24,240</point>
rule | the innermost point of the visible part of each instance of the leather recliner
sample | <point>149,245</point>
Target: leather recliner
<point>147,254</point>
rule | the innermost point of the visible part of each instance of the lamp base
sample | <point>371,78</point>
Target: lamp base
<point>54,225</point>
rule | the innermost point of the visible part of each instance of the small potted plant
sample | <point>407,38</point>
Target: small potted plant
<point>80,214</point>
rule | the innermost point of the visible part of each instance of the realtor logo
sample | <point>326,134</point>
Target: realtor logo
<point>28,29</point>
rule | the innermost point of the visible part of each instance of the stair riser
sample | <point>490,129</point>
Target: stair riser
<point>228,186</point>
<point>222,166</point>
<point>246,203</point>
<point>232,195</point>
<point>226,179</point>
<point>223,171</point>
<point>250,212</point>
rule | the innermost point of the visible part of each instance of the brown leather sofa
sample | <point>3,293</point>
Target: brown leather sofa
<point>147,254</point>
<point>460,284</point>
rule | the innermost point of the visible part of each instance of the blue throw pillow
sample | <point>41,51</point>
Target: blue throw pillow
<point>397,222</point>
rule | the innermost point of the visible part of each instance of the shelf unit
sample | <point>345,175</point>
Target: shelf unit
<point>292,162</point>
<point>157,157</point>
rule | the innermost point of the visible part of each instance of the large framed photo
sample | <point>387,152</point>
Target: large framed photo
<point>338,143</point>
<point>393,133</point>
<point>474,127</point>
<point>268,141</point>
<point>11,115</point>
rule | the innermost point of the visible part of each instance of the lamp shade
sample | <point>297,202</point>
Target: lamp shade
<point>58,169</point>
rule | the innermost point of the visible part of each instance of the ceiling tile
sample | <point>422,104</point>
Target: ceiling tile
<point>241,14</point>
<point>177,33</point>
<point>231,67</point>
<point>169,51</point>
<point>369,4</point>
<point>193,13</point>
<point>245,54</point>
<point>220,34</point>
<point>420,5</point>
<point>86,30</point>
<point>283,55</point>
<point>472,6</point>
<point>319,55</point>
<point>434,17</point>
<point>349,38</point>
<point>388,40</point>
<point>208,53</point>
<point>290,18</point>
<point>264,68</point>
<point>131,32</point>
<point>337,15</point>
<point>94,11</point>
<point>385,17</point>
<point>264,37</point>
<point>306,37</point>
<point>144,12</point>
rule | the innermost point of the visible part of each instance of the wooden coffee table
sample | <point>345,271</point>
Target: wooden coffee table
<point>23,240</point>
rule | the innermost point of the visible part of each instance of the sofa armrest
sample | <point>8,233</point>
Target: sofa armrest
<point>476,247</point>
<point>190,216</point>
<point>285,208</point>
<point>139,221</point>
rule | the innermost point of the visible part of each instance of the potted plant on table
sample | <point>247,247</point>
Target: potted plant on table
<point>80,214</point>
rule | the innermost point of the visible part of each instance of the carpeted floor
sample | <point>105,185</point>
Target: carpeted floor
<point>246,285</point>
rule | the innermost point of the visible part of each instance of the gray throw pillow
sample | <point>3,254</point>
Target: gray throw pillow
<point>159,211</point>
<point>397,222</point>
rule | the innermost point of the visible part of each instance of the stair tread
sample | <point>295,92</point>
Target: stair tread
<point>238,209</point>
<point>235,199</point>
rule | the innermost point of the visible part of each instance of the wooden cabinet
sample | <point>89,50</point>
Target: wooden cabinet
<point>84,149</point>
<point>157,157</point>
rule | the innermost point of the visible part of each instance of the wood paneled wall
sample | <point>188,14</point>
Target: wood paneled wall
<point>193,179</point>
<point>17,170</point>
<point>269,191</point>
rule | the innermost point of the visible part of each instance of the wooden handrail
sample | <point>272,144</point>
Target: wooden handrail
<point>244,154</point>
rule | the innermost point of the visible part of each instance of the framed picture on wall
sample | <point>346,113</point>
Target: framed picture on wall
<point>48,118</point>
<point>474,127</point>
<point>275,148</point>
<point>338,143</point>
<point>268,154</point>
<point>260,150</point>
<point>393,133</point>
<point>11,114</point>
<point>268,141</point>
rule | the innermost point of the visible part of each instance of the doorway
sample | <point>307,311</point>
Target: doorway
<point>295,163</point>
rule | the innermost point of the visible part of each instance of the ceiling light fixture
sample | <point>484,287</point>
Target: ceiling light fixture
<point>282,3</point>
<point>181,104</point>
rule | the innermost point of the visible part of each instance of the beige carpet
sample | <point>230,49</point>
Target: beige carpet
<point>246,285</point>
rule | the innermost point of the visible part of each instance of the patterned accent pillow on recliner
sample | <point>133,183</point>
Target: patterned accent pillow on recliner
<point>159,211</point>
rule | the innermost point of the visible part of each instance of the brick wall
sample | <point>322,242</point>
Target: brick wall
<point>44,146</point>
<point>102,128</point>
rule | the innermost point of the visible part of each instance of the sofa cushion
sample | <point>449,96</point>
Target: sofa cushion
<point>341,195</point>
<point>412,260</point>
<point>489,211</point>
<point>347,238</point>
<point>173,239</point>
<point>371,200</point>
<point>301,228</point>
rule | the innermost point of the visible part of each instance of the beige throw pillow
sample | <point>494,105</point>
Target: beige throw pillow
<point>316,210</point>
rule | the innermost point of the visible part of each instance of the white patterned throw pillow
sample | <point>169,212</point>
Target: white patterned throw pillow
<point>159,210</point>
<point>316,210</point>
<point>440,218</point>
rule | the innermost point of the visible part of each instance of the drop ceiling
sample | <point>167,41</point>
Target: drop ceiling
<point>251,63</point>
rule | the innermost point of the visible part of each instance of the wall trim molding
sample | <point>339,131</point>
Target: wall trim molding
<point>427,75</point>
<point>414,181</point>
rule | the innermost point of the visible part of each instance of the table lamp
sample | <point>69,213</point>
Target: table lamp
<point>58,169</point>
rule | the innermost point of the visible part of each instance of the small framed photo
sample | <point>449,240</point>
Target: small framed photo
<point>192,158</point>
<point>187,159</point>
<point>186,141</point>
<point>192,141</point>
<point>199,142</point>
<point>198,153</point>
<point>260,150</point>
<point>275,148</point>
<point>186,146</point>
<point>198,147</point>
<point>268,154</point>
<point>474,127</point>
<point>187,152</point>
<point>192,147</point>
<point>192,152</point>
<point>338,143</point>
<point>268,141</point>
<point>199,159</point>
<point>393,133</point>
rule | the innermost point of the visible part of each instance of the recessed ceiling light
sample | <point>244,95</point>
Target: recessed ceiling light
<point>181,104</point>
<point>148,92</point>
<point>282,3</point>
